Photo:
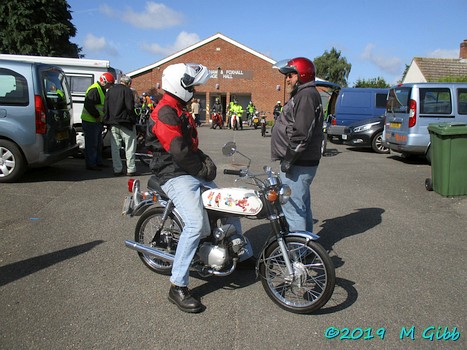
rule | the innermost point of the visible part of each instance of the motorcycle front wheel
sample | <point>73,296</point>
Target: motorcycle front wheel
<point>313,280</point>
<point>145,232</point>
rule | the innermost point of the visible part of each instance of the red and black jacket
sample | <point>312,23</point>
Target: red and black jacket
<point>173,138</point>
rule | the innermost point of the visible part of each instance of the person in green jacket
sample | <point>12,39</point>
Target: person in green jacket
<point>92,118</point>
<point>237,110</point>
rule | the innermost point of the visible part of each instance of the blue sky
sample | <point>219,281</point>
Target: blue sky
<point>378,38</point>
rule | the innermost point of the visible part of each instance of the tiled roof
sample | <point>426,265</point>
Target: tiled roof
<point>435,69</point>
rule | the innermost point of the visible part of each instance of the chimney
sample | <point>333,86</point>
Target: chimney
<point>463,50</point>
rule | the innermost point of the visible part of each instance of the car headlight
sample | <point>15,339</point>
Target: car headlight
<point>364,127</point>
<point>284,194</point>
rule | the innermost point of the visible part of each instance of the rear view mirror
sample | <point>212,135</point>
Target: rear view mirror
<point>229,149</point>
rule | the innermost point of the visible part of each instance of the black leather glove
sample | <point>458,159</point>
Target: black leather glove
<point>209,169</point>
<point>289,159</point>
<point>285,166</point>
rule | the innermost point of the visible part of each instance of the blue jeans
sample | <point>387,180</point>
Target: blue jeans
<point>92,143</point>
<point>185,191</point>
<point>298,209</point>
<point>128,137</point>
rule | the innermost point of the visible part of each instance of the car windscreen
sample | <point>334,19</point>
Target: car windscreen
<point>398,100</point>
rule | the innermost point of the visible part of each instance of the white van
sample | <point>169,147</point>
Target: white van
<point>80,74</point>
<point>411,107</point>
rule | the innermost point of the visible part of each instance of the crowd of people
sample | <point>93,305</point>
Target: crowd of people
<point>182,168</point>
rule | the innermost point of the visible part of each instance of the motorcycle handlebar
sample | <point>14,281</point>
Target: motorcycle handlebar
<point>232,172</point>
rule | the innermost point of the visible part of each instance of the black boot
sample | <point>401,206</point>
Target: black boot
<point>181,296</point>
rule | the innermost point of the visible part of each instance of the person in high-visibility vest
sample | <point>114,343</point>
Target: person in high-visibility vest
<point>92,118</point>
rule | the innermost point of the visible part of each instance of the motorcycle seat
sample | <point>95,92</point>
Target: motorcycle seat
<point>154,185</point>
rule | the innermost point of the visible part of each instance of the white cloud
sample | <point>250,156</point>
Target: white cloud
<point>94,44</point>
<point>442,53</point>
<point>391,65</point>
<point>183,40</point>
<point>153,16</point>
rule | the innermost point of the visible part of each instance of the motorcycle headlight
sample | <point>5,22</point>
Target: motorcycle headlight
<point>284,194</point>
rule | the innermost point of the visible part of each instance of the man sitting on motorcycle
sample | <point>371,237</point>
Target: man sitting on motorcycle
<point>182,169</point>
<point>250,110</point>
<point>217,111</point>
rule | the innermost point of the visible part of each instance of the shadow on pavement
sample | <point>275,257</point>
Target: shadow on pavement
<point>15,271</point>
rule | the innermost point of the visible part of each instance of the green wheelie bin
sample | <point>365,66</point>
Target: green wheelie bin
<point>448,159</point>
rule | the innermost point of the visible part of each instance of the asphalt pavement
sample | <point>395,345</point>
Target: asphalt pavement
<point>68,282</point>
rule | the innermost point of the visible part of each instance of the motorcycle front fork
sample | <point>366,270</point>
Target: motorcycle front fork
<point>279,227</point>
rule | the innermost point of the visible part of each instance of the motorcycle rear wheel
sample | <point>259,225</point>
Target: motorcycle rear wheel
<point>313,281</point>
<point>146,230</point>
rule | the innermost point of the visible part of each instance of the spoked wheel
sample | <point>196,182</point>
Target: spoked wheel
<point>145,232</point>
<point>313,280</point>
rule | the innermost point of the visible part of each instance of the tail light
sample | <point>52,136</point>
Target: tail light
<point>412,113</point>
<point>41,116</point>
<point>131,184</point>
<point>333,121</point>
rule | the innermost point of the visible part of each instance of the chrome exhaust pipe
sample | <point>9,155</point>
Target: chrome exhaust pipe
<point>150,251</point>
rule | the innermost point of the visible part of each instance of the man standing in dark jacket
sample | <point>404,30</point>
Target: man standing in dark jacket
<point>296,139</point>
<point>119,110</point>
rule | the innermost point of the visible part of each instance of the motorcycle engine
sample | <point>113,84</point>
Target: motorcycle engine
<point>214,256</point>
<point>228,244</point>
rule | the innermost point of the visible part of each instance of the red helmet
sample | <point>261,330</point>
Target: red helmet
<point>300,65</point>
<point>107,78</point>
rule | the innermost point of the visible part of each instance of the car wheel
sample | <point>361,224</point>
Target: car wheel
<point>12,162</point>
<point>377,144</point>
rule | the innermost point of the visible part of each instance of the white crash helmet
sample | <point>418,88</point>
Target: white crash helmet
<point>180,79</point>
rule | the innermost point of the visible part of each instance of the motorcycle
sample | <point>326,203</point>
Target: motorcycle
<point>143,154</point>
<point>253,119</point>
<point>216,121</point>
<point>263,125</point>
<point>234,121</point>
<point>295,271</point>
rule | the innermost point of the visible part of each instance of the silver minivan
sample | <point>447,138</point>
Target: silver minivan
<point>35,117</point>
<point>412,107</point>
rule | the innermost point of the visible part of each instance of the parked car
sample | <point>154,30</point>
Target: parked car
<point>353,105</point>
<point>366,133</point>
<point>412,107</point>
<point>35,117</point>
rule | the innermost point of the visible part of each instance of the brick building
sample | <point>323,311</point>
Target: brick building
<point>236,70</point>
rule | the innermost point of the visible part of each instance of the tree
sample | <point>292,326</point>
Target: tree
<point>378,82</point>
<point>37,27</point>
<point>332,67</point>
<point>407,66</point>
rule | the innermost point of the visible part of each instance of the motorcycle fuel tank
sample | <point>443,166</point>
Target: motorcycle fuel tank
<point>241,201</point>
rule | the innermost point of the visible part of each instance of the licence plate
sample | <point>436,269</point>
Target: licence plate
<point>395,125</point>
<point>344,137</point>
<point>127,205</point>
